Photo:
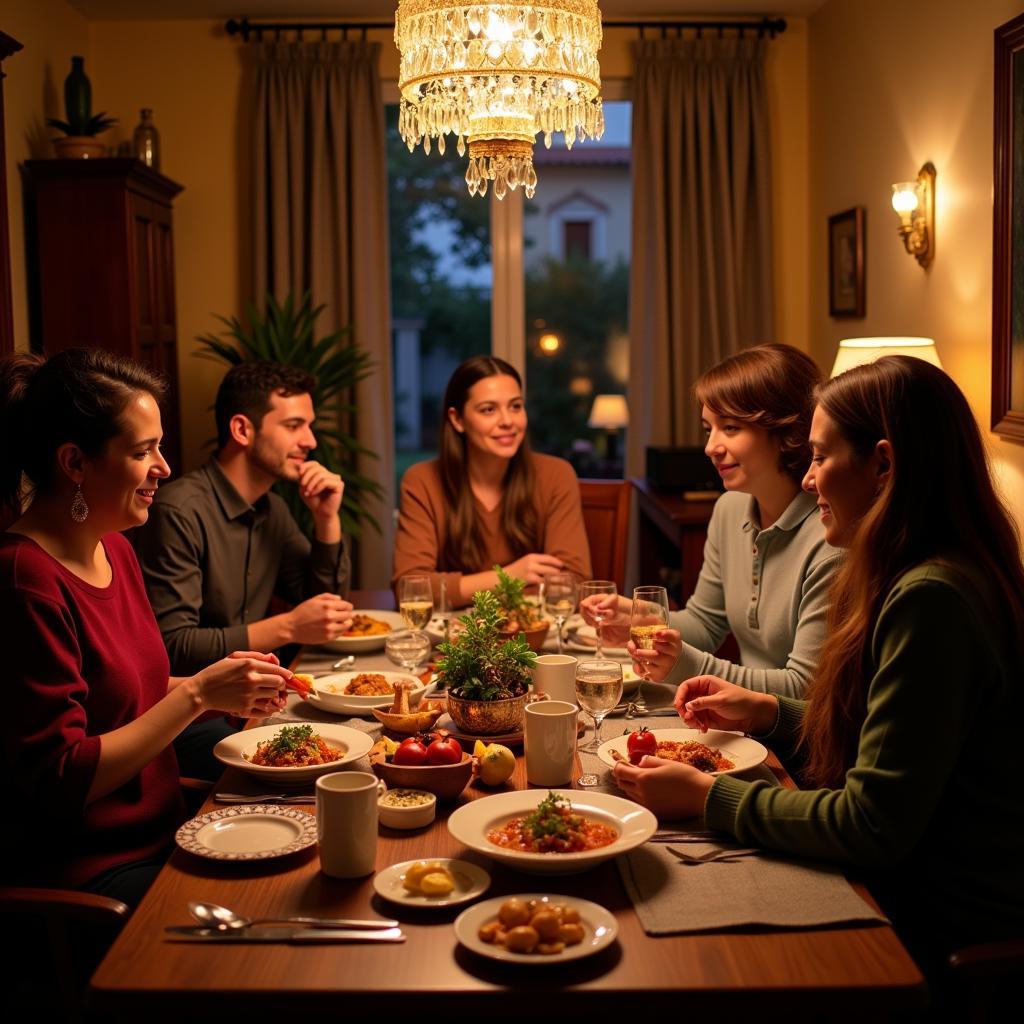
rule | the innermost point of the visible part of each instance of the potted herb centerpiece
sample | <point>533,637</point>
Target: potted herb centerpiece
<point>487,678</point>
<point>520,615</point>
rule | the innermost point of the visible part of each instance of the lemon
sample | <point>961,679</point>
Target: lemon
<point>497,763</point>
<point>479,748</point>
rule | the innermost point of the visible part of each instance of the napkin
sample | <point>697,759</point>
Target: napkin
<point>671,896</point>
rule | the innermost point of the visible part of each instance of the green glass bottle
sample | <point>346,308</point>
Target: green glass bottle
<point>78,96</point>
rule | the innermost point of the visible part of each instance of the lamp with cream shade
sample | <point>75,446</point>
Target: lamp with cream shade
<point>610,413</point>
<point>856,351</point>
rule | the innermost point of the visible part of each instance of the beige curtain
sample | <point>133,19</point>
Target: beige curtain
<point>701,276</point>
<point>320,224</point>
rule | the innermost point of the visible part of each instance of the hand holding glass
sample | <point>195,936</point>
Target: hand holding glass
<point>648,616</point>
<point>598,613</point>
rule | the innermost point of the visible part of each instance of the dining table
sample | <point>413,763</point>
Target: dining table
<point>841,971</point>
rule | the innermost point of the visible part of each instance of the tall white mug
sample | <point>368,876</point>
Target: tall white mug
<point>550,742</point>
<point>346,823</point>
<point>555,675</point>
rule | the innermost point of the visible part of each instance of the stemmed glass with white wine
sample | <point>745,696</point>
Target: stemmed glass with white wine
<point>648,616</point>
<point>598,690</point>
<point>591,588</point>
<point>560,593</point>
<point>415,601</point>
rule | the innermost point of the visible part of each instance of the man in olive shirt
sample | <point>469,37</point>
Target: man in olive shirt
<point>218,545</point>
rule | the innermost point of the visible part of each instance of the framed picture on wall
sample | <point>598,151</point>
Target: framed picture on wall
<point>846,263</point>
<point>1008,234</point>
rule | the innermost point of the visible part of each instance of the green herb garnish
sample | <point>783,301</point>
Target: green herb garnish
<point>552,818</point>
<point>290,738</point>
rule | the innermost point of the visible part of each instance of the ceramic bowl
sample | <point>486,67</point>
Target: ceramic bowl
<point>445,781</point>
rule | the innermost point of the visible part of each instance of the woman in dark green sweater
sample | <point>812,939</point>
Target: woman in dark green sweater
<point>910,735</point>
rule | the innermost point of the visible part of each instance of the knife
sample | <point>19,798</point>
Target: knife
<point>190,933</point>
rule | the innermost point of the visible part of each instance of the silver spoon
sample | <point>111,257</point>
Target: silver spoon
<point>216,916</point>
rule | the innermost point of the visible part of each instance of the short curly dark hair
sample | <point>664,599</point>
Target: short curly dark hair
<point>770,386</point>
<point>246,390</point>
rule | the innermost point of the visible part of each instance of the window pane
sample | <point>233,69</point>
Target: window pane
<point>577,235</point>
<point>440,285</point>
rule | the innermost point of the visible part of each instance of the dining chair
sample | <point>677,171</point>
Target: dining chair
<point>62,934</point>
<point>984,976</point>
<point>606,520</point>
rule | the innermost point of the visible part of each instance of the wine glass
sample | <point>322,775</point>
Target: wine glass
<point>648,615</point>
<point>415,601</point>
<point>589,589</point>
<point>560,599</point>
<point>409,648</point>
<point>598,690</point>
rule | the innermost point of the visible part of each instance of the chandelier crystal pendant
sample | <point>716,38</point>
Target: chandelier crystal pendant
<point>496,74</point>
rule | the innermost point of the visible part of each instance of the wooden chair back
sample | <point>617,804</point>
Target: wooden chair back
<point>606,519</point>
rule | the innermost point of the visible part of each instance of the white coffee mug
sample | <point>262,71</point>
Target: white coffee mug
<point>550,742</point>
<point>346,823</point>
<point>555,675</point>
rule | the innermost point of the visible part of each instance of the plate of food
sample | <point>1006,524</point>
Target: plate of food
<point>536,928</point>
<point>355,693</point>
<point>433,883</point>
<point>369,630</point>
<point>248,832</point>
<point>562,832</point>
<point>292,754</point>
<point>715,751</point>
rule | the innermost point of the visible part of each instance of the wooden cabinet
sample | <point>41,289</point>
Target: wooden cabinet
<point>103,254</point>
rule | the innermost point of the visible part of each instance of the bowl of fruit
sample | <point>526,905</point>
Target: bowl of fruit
<point>434,762</point>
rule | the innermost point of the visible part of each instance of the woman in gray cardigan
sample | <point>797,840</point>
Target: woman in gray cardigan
<point>767,566</point>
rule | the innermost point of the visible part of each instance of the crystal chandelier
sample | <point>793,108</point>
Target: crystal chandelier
<point>496,74</point>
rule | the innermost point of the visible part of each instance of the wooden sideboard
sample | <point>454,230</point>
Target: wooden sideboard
<point>103,260</point>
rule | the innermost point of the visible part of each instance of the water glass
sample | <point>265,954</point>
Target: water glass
<point>560,595</point>
<point>408,648</point>
<point>592,588</point>
<point>598,690</point>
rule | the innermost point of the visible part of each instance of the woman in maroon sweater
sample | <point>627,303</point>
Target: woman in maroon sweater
<point>93,711</point>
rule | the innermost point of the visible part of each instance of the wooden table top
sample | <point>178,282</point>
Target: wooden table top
<point>837,971</point>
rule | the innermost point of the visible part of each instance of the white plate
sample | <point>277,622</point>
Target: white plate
<point>584,638</point>
<point>599,930</point>
<point>470,881</point>
<point>248,832</point>
<point>471,822</point>
<point>352,743</point>
<point>744,752</point>
<point>364,644</point>
<point>330,691</point>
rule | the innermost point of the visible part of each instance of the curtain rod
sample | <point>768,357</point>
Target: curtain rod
<point>246,28</point>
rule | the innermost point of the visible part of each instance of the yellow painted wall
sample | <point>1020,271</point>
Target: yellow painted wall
<point>50,32</point>
<point>892,86</point>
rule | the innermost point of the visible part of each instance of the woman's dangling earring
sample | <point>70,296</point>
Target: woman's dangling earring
<point>79,509</point>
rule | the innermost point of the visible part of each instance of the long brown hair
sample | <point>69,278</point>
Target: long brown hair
<point>938,503</point>
<point>770,386</point>
<point>464,548</point>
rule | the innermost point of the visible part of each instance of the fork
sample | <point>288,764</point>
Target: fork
<point>711,856</point>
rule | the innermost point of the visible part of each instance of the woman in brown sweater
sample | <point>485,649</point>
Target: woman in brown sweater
<point>488,499</point>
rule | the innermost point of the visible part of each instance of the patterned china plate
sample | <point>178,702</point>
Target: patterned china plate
<point>248,832</point>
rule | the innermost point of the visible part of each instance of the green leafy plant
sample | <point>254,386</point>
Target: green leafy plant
<point>477,664</point>
<point>518,612</point>
<point>286,335</point>
<point>78,125</point>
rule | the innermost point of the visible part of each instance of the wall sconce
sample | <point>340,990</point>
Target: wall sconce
<point>857,351</point>
<point>914,202</point>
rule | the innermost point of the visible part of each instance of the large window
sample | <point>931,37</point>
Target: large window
<point>569,268</point>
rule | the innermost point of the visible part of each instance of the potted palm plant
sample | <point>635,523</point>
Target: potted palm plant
<point>82,125</point>
<point>487,678</point>
<point>285,334</point>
